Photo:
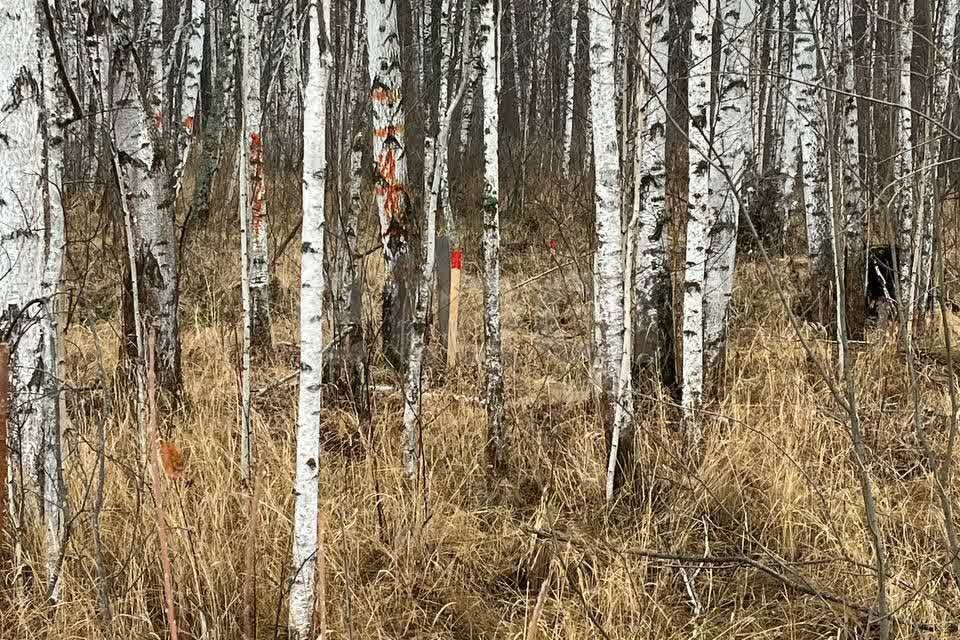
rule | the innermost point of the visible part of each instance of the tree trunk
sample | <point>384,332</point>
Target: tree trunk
<point>256,203</point>
<point>490,72</point>
<point>22,255</point>
<point>808,98</point>
<point>609,280</point>
<point>312,284</point>
<point>653,331</point>
<point>394,204</point>
<point>699,221</point>
<point>732,141</point>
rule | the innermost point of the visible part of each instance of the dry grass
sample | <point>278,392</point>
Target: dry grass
<point>777,482</point>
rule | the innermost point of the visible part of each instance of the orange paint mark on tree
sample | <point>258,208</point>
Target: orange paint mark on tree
<point>256,182</point>
<point>188,123</point>
<point>388,131</point>
<point>382,94</point>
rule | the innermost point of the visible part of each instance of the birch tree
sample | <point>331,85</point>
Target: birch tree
<point>698,219</point>
<point>394,205</point>
<point>23,256</point>
<point>312,285</point>
<point>652,280</point>
<point>490,73</point>
<point>609,280</point>
<point>805,163</point>
<point>150,187</point>
<point>571,84</point>
<point>256,203</point>
<point>732,132</point>
<point>904,190</point>
<point>59,113</point>
<point>216,115</point>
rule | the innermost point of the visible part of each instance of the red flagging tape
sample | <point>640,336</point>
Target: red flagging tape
<point>456,259</point>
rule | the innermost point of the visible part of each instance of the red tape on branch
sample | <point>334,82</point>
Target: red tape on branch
<point>456,259</point>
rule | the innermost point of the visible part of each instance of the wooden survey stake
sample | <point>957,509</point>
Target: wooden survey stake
<point>456,267</point>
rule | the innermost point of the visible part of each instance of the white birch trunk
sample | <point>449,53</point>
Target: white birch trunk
<point>622,427</point>
<point>312,284</point>
<point>571,83</point>
<point>651,281</point>
<point>193,63</point>
<point>490,72</point>
<point>256,204</point>
<point>732,136</point>
<point>517,76</point>
<point>474,70</point>
<point>139,135</point>
<point>905,165</point>
<point>808,100</point>
<point>609,280</point>
<point>446,206</point>
<point>57,109</point>
<point>698,221</point>
<point>22,252</point>
<point>389,153</point>
<point>413,391</point>
<point>243,183</point>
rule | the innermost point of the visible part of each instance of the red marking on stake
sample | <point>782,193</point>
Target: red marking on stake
<point>158,120</point>
<point>456,259</point>
<point>553,247</point>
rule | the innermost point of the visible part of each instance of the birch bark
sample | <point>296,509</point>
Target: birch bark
<point>490,73</point>
<point>571,83</point>
<point>609,280</point>
<point>58,111</point>
<point>394,205</point>
<point>698,220</point>
<point>808,98</point>
<point>22,231</point>
<point>651,294</point>
<point>732,136</point>
<point>312,284</point>
<point>256,203</point>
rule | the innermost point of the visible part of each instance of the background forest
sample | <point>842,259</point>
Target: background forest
<point>479,319</point>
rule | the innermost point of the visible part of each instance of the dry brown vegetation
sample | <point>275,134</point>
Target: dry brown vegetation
<point>775,502</point>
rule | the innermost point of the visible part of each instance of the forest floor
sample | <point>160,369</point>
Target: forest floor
<point>775,501</point>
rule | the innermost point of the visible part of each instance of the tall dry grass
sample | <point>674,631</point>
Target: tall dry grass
<point>777,483</point>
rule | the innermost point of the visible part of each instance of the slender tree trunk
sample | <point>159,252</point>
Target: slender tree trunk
<point>394,204</point>
<point>809,99</point>
<point>905,188</point>
<point>138,132</point>
<point>653,331</point>
<point>570,85</point>
<point>861,176</point>
<point>215,120</point>
<point>732,144</point>
<point>490,72</point>
<point>256,203</point>
<point>312,285</point>
<point>698,220</point>
<point>57,109</point>
<point>609,281</point>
